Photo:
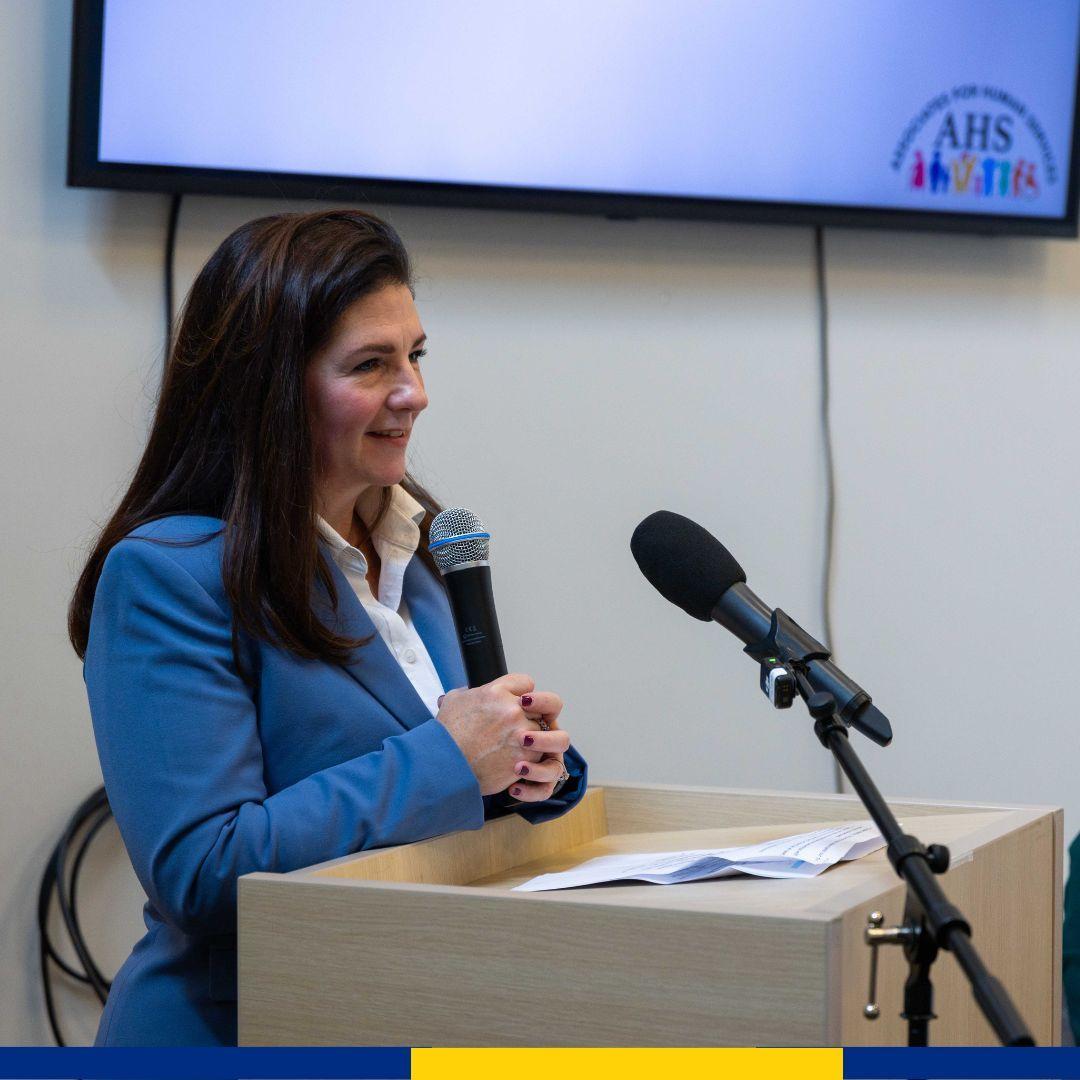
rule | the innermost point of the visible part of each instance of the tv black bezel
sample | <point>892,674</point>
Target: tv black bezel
<point>85,169</point>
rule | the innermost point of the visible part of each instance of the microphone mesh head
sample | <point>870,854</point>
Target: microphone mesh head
<point>457,536</point>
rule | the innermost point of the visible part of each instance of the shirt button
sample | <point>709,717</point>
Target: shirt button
<point>410,656</point>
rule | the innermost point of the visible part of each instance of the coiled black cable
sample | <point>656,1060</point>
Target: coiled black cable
<point>61,880</point>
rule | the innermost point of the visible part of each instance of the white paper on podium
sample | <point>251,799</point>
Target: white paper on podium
<point>802,856</point>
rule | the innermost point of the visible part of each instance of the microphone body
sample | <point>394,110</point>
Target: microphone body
<point>744,613</point>
<point>459,543</point>
<point>473,605</point>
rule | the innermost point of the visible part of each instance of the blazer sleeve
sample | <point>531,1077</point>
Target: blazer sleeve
<point>568,797</point>
<point>177,734</point>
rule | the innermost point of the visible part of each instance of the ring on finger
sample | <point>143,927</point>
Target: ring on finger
<point>561,781</point>
<point>540,722</point>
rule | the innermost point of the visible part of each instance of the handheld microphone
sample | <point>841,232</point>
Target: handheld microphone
<point>687,565</point>
<point>458,541</point>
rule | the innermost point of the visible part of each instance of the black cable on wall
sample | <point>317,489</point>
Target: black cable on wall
<point>170,266</point>
<point>826,441</point>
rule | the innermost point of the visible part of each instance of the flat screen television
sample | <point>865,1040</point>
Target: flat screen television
<point>919,114</point>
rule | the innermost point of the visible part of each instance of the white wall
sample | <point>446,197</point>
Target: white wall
<point>582,374</point>
<point>957,393</point>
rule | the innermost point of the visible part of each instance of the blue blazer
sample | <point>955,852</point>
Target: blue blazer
<point>210,779</point>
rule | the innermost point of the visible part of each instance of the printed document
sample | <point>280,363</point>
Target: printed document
<point>802,856</point>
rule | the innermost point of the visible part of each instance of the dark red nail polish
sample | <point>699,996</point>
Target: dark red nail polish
<point>515,792</point>
<point>526,700</point>
<point>528,740</point>
<point>523,770</point>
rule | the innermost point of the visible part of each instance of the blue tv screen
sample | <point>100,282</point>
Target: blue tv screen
<point>909,113</point>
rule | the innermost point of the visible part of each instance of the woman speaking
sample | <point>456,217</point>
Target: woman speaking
<point>269,653</point>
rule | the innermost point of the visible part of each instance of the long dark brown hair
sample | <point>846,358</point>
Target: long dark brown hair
<point>231,436</point>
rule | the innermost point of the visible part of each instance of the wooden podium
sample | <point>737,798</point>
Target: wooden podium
<point>425,944</point>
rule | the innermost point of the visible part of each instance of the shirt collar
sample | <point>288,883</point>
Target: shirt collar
<point>399,528</point>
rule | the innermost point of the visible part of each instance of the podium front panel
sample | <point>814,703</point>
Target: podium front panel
<point>426,944</point>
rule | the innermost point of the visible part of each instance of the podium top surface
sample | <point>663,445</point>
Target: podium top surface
<point>821,897</point>
<point>624,819</point>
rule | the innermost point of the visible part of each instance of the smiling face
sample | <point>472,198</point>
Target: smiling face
<point>364,392</point>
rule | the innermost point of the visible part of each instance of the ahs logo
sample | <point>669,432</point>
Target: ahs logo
<point>976,141</point>
<point>976,131</point>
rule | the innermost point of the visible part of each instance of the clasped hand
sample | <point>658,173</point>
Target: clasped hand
<point>508,731</point>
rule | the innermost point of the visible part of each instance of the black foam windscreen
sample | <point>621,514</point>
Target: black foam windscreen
<point>685,563</point>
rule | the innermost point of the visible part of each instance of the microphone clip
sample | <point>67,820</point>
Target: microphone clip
<point>788,643</point>
<point>783,655</point>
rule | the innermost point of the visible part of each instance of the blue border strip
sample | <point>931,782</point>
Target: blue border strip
<point>206,1063</point>
<point>394,1063</point>
<point>963,1063</point>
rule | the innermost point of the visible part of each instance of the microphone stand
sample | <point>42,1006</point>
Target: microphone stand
<point>931,922</point>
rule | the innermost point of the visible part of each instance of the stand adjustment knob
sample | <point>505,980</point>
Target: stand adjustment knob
<point>937,856</point>
<point>875,935</point>
<point>821,705</point>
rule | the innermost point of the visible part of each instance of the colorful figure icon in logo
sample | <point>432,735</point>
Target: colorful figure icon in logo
<point>1018,177</point>
<point>962,168</point>
<point>1004,169</point>
<point>918,171</point>
<point>939,175</point>
<point>1031,185</point>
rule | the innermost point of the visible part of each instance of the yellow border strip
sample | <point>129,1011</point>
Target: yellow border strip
<point>626,1063</point>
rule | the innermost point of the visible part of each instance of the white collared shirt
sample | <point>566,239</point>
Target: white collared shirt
<point>396,540</point>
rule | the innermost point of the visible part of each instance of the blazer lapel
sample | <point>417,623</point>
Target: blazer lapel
<point>373,666</point>
<point>434,622</point>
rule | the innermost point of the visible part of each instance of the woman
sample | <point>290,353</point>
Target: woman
<point>269,653</point>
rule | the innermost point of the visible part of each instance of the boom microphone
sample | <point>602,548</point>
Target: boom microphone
<point>458,541</point>
<point>690,567</point>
